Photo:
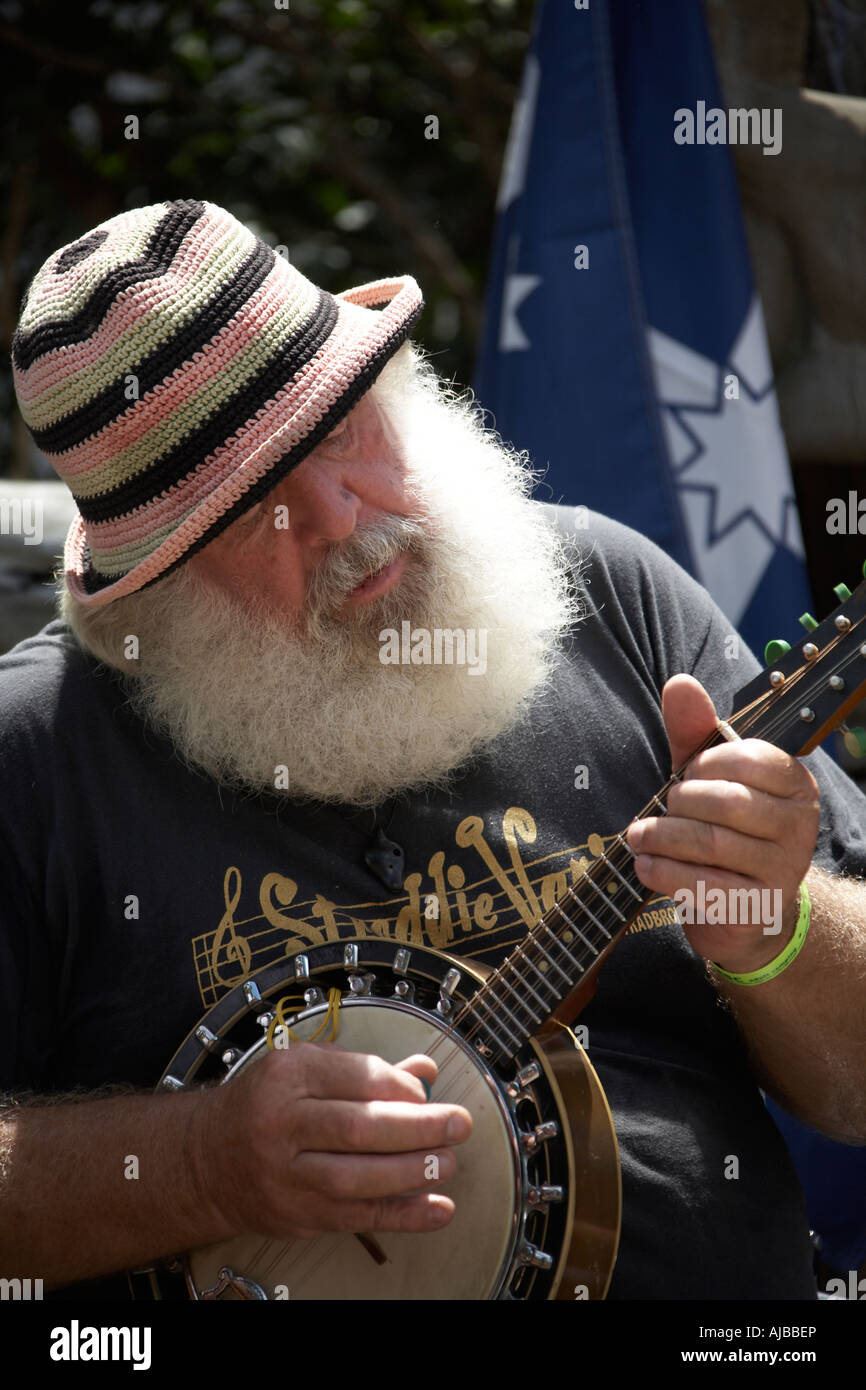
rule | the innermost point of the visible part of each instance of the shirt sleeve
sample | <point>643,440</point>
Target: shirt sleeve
<point>31,929</point>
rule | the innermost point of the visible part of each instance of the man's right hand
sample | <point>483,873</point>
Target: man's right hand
<point>316,1138</point>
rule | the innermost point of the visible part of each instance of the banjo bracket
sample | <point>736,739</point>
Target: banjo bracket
<point>245,1288</point>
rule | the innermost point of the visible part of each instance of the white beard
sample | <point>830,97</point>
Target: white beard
<point>313,712</point>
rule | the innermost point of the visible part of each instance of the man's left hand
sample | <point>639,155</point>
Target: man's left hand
<point>745,816</point>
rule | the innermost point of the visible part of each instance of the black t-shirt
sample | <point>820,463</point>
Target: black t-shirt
<point>120,867</point>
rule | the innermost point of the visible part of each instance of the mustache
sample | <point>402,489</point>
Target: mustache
<point>348,564</point>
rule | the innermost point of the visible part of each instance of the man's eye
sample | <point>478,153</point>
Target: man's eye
<point>253,514</point>
<point>339,434</point>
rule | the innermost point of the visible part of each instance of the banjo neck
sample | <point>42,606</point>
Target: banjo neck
<point>553,973</point>
<point>545,981</point>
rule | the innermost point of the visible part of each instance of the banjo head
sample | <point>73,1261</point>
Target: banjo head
<point>511,1189</point>
<point>455,1262</point>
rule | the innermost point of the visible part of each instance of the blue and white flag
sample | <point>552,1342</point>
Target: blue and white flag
<point>624,343</point>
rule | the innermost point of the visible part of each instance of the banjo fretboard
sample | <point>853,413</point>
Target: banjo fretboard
<point>563,947</point>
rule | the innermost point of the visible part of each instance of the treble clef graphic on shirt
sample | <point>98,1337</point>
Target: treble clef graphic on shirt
<point>237,948</point>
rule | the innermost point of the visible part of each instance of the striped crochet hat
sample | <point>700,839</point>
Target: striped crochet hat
<point>173,369</point>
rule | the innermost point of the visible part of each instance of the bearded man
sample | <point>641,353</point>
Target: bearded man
<point>232,747</point>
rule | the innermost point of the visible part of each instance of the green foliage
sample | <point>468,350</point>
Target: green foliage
<point>307,121</point>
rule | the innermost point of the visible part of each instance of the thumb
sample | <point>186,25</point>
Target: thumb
<point>689,716</point>
<point>422,1067</point>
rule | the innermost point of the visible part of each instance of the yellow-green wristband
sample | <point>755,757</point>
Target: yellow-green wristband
<point>785,956</point>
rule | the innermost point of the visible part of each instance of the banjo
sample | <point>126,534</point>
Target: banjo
<point>537,1191</point>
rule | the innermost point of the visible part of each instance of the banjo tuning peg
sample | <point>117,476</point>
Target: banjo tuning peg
<point>775,649</point>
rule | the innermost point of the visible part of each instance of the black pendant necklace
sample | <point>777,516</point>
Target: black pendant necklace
<point>386,859</point>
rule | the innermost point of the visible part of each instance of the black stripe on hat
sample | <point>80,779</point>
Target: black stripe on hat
<point>162,247</point>
<point>104,409</point>
<point>236,409</point>
<point>92,581</point>
<point>79,251</point>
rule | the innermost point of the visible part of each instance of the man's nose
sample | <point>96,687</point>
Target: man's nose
<point>323,505</point>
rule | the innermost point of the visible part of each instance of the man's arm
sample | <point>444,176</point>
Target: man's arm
<point>806,1029</point>
<point>313,1139</point>
<point>67,1212</point>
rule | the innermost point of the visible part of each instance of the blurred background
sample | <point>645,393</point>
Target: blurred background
<point>479,145</point>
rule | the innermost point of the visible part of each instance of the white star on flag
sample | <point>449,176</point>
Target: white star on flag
<point>730,464</point>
